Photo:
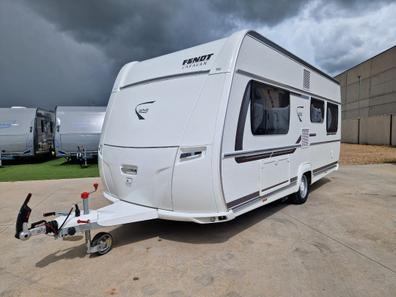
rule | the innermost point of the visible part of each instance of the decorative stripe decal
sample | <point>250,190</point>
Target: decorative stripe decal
<point>323,142</point>
<point>261,156</point>
<point>312,134</point>
<point>253,152</point>
<point>324,168</point>
<point>283,188</point>
<point>298,139</point>
<point>266,189</point>
<point>253,197</point>
<point>243,199</point>
<point>256,195</point>
<point>281,153</point>
<point>244,159</point>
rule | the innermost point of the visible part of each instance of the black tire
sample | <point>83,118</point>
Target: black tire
<point>302,194</point>
<point>103,238</point>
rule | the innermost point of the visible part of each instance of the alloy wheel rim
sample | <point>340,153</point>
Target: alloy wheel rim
<point>105,243</point>
<point>303,186</point>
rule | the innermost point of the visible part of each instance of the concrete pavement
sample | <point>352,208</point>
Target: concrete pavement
<point>342,242</point>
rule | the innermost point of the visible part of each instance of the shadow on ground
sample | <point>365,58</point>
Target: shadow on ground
<point>75,161</point>
<point>28,160</point>
<point>44,159</point>
<point>179,231</point>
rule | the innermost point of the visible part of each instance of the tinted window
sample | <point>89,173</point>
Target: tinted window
<point>317,110</point>
<point>332,118</point>
<point>269,109</point>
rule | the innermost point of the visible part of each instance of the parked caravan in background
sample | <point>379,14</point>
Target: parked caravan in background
<point>25,132</point>
<point>207,134</point>
<point>78,130</point>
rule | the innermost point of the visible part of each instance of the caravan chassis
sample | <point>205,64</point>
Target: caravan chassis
<point>70,223</point>
<point>60,227</point>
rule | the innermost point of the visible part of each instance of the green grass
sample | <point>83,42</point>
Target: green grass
<point>53,169</point>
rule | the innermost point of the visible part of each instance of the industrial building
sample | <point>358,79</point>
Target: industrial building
<point>368,92</point>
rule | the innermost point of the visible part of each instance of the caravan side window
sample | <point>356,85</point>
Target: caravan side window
<point>317,110</point>
<point>332,118</point>
<point>269,109</point>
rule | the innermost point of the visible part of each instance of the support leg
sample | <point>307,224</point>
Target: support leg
<point>88,240</point>
<point>88,232</point>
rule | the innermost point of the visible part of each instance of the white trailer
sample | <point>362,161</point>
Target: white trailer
<point>25,132</point>
<point>78,131</point>
<point>211,132</point>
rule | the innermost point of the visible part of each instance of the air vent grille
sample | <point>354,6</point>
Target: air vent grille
<point>307,79</point>
<point>304,137</point>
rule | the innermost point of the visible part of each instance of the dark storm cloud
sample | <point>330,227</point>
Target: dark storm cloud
<point>258,11</point>
<point>140,29</point>
<point>41,67</point>
<point>69,52</point>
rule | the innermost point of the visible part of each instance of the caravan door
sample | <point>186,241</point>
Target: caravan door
<point>258,141</point>
<point>270,122</point>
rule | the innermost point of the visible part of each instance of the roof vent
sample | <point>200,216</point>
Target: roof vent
<point>306,79</point>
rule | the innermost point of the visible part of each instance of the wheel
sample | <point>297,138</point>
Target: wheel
<point>301,195</point>
<point>104,241</point>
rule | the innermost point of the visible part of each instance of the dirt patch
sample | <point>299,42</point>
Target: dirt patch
<point>352,154</point>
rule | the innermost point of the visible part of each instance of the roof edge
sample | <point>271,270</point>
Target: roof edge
<point>277,47</point>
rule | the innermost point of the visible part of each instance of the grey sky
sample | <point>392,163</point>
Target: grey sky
<point>69,52</point>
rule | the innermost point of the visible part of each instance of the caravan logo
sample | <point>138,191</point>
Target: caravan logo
<point>196,61</point>
<point>142,109</point>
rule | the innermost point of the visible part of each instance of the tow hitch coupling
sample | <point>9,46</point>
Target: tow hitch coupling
<point>23,232</point>
<point>65,224</point>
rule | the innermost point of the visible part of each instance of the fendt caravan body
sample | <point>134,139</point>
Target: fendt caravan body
<point>78,129</point>
<point>206,134</point>
<point>25,132</point>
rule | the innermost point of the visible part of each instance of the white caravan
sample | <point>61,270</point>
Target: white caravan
<point>78,130</point>
<point>25,132</point>
<point>211,132</point>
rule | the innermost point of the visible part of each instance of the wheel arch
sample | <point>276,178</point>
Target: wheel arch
<point>304,168</point>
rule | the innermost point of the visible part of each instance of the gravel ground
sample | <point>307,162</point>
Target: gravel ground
<point>354,154</point>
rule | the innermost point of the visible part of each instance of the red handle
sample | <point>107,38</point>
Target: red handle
<point>82,221</point>
<point>84,195</point>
